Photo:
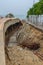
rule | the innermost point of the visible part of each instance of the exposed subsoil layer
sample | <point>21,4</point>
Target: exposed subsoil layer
<point>29,47</point>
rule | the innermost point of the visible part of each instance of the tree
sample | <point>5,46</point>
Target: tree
<point>37,9</point>
<point>10,15</point>
<point>41,0</point>
<point>30,12</point>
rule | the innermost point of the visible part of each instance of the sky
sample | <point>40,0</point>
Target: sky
<point>16,7</point>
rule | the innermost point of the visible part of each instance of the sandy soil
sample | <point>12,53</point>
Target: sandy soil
<point>20,56</point>
<point>17,55</point>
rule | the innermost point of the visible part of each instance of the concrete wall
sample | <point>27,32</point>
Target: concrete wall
<point>2,52</point>
<point>36,19</point>
<point>8,23</point>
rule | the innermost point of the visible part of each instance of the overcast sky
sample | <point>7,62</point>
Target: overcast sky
<point>17,7</point>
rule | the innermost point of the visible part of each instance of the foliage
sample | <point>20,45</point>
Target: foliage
<point>37,9</point>
<point>10,15</point>
<point>41,0</point>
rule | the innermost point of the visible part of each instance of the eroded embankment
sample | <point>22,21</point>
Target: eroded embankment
<point>29,48</point>
<point>32,38</point>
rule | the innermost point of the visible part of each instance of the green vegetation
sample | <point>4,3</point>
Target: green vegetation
<point>37,9</point>
<point>10,15</point>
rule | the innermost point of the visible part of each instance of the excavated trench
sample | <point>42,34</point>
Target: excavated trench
<point>10,36</point>
<point>11,40</point>
<point>12,32</point>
